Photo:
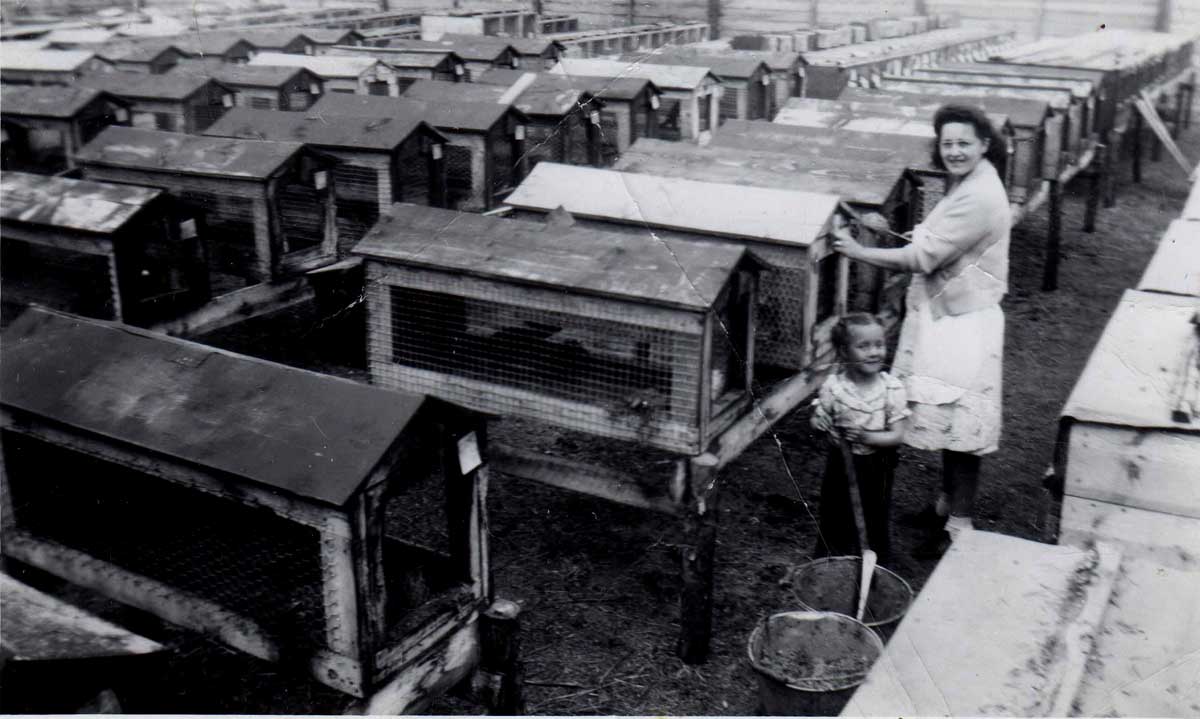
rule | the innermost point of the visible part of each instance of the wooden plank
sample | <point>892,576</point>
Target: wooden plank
<point>1168,539</point>
<point>612,485</point>
<point>764,413</point>
<point>425,628</point>
<point>1023,596</point>
<point>39,627</point>
<point>1152,470</point>
<point>1175,267</point>
<point>338,588</point>
<point>700,513</point>
<point>370,588</point>
<point>441,667</point>
<point>239,306</point>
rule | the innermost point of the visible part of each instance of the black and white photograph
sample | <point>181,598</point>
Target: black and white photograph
<point>600,357</point>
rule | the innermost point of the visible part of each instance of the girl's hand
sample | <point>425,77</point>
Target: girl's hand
<point>854,434</point>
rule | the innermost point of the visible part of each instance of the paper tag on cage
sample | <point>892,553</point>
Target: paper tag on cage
<point>468,454</point>
<point>654,102</point>
<point>436,151</point>
<point>227,100</point>
<point>187,229</point>
<point>520,133</point>
<point>320,179</point>
<point>594,116</point>
<point>458,69</point>
<point>314,88</point>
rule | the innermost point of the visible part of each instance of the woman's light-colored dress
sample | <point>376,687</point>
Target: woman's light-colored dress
<point>951,349</point>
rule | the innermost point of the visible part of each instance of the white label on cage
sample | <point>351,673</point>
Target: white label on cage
<point>308,49</point>
<point>766,79</point>
<point>458,69</point>
<point>314,88</point>
<point>227,100</point>
<point>515,63</point>
<point>436,151</point>
<point>520,133</point>
<point>594,116</point>
<point>320,179</point>
<point>187,229</point>
<point>854,77</point>
<point>468,454</point>
<point>655,102</point>
<point>122,115</point>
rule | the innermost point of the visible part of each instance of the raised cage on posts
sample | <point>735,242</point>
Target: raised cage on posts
<point>626,337</point>
<point>296,517</point>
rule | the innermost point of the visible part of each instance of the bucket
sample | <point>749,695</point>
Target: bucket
<point>809,663</point>
<point>831,585</point>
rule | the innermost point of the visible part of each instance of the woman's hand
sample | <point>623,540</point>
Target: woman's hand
<point>846,245</point>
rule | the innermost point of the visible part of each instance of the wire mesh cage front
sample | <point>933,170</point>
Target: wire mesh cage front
<point>357,190</point>
<point>229,233</point>
<point>460,178</point>
<point>301,216</point>
<point>246,560</point>
<point>494,348</point>
<point>57,277</point>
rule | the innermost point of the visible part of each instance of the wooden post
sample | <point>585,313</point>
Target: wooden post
<point>1053,238</point>
<point>1191,94</point>
<point>1137,145</point>
<point>1177,125</point>
<point>500,667</point>
<point>699,511</point>
<point>714,18</point>
<point>1097,175</point>
<point>366,538</point>
<point>1112,155</point>
<point>1162,19</point>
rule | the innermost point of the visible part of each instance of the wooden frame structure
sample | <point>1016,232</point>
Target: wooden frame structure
<point>269,207</point>
<point>48,67</point>
<point>690,489</point>
<point>398,161</point>
<point>46,125</point>
<point>478,54</point>
<point>806,286</point>
<point>340,73</point>
<point>312,563</point>
<point>445,66</point>
<point>176,103</point>
<point>486,141</point>
<point>690,105</point>
<point>260,87</point>
<point>567,123</point>
<point>747,91</point>
<point>617,40</point>
<point>106,251</point>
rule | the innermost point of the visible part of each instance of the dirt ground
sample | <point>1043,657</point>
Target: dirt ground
<point>598,583</point>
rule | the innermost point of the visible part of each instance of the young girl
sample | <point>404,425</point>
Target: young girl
<point>868,407</point>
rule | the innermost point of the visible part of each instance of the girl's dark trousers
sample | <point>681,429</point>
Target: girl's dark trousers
<point>838,534</point>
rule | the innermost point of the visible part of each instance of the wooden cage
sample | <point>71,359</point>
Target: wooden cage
<point>401,160</point>
<point>178,103</point>
<point>478,55</point>
<point>107,251</point>
<point>805,287</point>
<point>259,87</point>
<point>269,207</point>
<point>644,340</point>
<point>690,104</point>
<point>747,91</point>
<point>567,123</point>
<point>340,73</point>
<point>303,519</point>
<point>484,155</point>
<point>46,125</point>
<point>446,66</point>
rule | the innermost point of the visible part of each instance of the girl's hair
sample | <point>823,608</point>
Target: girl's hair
<point>841,330</point>
<point>996,152</point>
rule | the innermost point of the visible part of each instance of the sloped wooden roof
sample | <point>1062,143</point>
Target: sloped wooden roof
<point>324,129</point>
<point>159,151</point>
<point>641,268</point>
<point>307,434</point>
<point>99,207</point>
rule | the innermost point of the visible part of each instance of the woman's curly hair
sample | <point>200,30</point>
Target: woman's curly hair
<point>997,151</point>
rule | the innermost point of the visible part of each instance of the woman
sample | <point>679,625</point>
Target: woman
<point>952,340</point>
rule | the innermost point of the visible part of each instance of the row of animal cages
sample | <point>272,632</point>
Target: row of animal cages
<point>1129,434</point>
<point>335,529</point>
<point>1130,60</point>
<point>549,24</point>
<point>614,41</point>
<point>827,73</point>
<point>495,23</point>
<point>805,39</point>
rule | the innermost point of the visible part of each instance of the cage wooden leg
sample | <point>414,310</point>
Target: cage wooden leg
<point>1053,239</point>
<point>1177,121</point>
<point>1156,145</point>
<point>1096,176</point>
<point>1112,157</point>
<point>1137,146</point>
<point>699,512</point>
<point>1191,95</point>
<point>501,672</point>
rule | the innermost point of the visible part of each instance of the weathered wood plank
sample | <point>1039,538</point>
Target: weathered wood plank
<point>442,665</point>
<point>1168,539</point>
<point>239,306</point>
<point>1154,470</point>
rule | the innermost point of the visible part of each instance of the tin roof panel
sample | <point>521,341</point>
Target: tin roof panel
<point>1175,267</point>
<point>724,66</point>
<point>724,210</point>
<point>311,435</point>
<point>44,60</point>
<point>158,151</point>
<point>321,129</point>
<point>667,77</point>
<point>46,100</point>
<point>99,207</point>
<point>675,273</point>
<point>450,116</point>
<point>336,66</point>
<point>145,85</point>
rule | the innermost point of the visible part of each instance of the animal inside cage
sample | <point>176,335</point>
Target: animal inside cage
<point>619,336</point>
<point>296,517</point>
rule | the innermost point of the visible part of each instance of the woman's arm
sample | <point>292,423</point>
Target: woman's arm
<point>889,258</point>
